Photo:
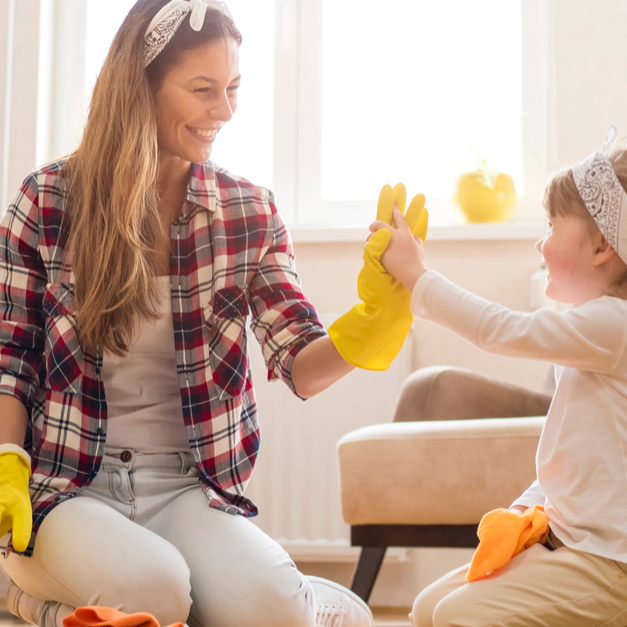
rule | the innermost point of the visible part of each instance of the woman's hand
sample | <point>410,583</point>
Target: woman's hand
<point>404,257</point>
<point>15,506</point>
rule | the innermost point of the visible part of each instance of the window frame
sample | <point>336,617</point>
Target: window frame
<point>298,118</point>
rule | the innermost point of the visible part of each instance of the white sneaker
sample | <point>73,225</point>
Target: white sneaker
<point>337,606</point>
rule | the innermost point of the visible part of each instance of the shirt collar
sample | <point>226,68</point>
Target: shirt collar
<point>201,189</point>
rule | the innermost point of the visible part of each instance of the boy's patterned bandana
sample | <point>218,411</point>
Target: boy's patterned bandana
<point>603,195</point>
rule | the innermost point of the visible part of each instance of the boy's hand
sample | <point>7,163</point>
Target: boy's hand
<point>404,256</point>
<point>372,333</point>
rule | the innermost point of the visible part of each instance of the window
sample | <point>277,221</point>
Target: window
<point>409,89</point>
<point>405,91</point>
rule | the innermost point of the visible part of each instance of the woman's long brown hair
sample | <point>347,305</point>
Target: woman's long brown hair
<point>113,202</point>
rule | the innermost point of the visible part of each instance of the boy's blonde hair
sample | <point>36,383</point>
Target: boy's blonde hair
<point>561,198</point>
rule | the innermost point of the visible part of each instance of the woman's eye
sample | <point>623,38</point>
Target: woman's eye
<point>234,88</point>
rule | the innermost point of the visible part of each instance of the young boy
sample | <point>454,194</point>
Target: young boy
<point>578,577</point>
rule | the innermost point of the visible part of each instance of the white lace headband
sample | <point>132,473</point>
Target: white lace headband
<point>603,195</point>
<point>166,22</point>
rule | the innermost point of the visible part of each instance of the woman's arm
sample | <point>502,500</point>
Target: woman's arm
<point>317,367</point>
<point>23,280</point>
<point>14,420</point>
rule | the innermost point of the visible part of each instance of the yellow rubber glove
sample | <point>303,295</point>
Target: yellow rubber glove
<point>372,333</point>
<point>15,507</point>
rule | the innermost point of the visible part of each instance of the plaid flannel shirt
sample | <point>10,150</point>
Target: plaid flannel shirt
<point>231,255</point>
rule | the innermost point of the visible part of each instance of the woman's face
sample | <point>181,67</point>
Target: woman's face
<point>198,96</point>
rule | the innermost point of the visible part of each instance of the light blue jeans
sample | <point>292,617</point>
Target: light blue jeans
<point>142,538</point>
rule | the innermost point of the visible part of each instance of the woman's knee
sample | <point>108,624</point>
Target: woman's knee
<point>268,602</point>
<point>86,547</point>
<point>164,592</point>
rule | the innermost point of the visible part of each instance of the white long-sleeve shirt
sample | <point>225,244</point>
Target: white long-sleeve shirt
<point>581,461</point>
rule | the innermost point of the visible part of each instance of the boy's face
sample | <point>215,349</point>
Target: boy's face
<point>568,252</point>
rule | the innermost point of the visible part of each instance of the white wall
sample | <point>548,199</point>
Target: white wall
<point>19,54</point>
<point>590,74</point>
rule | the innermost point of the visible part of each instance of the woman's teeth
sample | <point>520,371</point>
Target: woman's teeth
<point>205,133</point>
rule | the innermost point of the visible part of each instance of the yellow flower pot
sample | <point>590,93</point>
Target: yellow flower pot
<point>481,203</point>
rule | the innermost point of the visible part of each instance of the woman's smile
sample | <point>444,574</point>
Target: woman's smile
<point>205,135</point>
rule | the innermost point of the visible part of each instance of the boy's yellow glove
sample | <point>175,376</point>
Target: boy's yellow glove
<point>15,507</point>
<point>372,333</point>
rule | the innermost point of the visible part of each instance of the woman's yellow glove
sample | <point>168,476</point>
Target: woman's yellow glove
<point>372,333</point>
<point>15,507</point>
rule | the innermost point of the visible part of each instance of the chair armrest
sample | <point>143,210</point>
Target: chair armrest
<point>436,473</point>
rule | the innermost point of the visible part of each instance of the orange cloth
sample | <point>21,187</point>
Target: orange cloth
<point>503,535</point>
<point>94,616</point>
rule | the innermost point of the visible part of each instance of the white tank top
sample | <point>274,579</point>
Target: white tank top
<point>142,388</point>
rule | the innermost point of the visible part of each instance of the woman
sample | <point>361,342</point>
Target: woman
<point>127,272</point>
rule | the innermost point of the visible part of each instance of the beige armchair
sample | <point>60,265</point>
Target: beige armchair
<point>461,444</point>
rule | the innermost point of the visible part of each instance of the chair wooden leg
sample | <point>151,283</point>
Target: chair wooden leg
<point>367,570</point>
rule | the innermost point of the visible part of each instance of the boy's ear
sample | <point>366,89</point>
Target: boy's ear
<point>603,251</point>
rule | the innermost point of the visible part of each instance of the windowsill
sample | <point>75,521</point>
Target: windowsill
<point>521,230</point>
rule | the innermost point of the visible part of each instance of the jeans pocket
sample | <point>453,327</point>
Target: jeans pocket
<point>118,484</point>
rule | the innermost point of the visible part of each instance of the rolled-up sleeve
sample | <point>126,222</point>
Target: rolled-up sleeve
<point>283,319</point>
<point>22,285</point>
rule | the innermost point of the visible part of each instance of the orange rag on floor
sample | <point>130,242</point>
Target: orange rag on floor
<point>94,616</point>
<point>504,534</point>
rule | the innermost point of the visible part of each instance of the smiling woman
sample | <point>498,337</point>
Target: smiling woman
<point>128,274</point>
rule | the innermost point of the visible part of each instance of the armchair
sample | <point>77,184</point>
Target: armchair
<point>460,444</point>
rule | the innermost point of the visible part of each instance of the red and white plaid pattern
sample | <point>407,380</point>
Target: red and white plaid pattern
<point>231,254</point>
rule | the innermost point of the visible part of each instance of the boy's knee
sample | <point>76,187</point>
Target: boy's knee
<point>423,607</point>
<point>453,612</point>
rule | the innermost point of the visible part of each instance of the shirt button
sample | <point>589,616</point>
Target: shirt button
<point>621,576</point>
<point>126,456</point>
<point>97,371</point>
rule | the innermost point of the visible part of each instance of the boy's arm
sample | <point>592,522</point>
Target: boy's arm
<point>533,495</point>
<point>591,336</point>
